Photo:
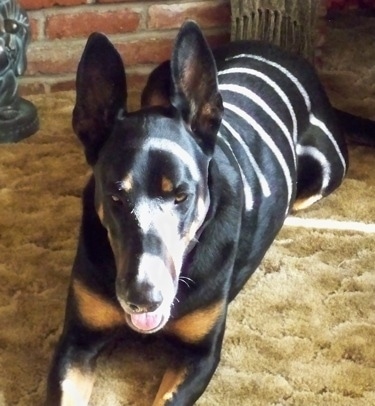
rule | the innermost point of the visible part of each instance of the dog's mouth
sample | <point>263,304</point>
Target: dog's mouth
<point>147,323</point>
<point>148,298</point>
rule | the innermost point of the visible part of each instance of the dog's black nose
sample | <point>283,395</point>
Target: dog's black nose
<point>143,308</point>
<point>143,299</point>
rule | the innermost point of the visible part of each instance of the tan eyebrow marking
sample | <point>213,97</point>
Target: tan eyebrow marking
<point>127,183</point>
<point>166,184</point>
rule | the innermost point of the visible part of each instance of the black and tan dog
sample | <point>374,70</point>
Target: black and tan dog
<point>187,195</point>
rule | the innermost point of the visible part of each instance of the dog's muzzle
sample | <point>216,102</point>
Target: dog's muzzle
<point>147,299</point>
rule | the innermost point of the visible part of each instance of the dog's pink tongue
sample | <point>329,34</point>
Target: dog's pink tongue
<point>146,321</point>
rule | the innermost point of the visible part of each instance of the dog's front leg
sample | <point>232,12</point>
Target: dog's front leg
<point>71,376</point>
<point>200,337</point>
<point>185,382</point>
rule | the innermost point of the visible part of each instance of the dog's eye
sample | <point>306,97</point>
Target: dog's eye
<point>180,197</point>
<point>115,199</point>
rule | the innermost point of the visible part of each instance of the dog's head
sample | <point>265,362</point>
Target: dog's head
<point>151,167</point>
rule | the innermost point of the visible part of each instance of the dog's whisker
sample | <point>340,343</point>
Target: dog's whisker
<point>185,283</point>
<point>186,280</point>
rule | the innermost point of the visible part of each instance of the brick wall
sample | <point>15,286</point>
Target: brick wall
<point>143,32</point>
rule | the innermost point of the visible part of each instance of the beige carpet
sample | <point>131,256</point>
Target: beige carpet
<point>302,332</point>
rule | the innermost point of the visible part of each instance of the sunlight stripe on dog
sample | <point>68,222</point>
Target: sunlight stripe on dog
<point>249,201</point>
<point>313,120</point>
<point>265,107</point>
<point>274,86</point>
<point>175,149</point>
<point>319,157</point>
<point>270,143</point>
<point>261,178</point>
<point>318,123</point>
<point>281,68</point>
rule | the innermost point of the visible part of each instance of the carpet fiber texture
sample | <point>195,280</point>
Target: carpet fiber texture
<point>302,332</point>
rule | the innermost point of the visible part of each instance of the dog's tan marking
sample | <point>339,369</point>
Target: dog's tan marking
<point>100,212</point>
<point>76,388</point>
<point>195,326</point>
<point>172,379</point>
<point>166,185</point>
<point>127,183</point>
<point>95,311</point>
<point>301,204</point>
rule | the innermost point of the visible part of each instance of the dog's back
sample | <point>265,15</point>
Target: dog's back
<point>275,99</point>
<point>277,120</point>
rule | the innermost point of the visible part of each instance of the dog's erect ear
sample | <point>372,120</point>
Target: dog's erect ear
<point>195,90</point>
<point>101,93</point>
<point>157,91</point>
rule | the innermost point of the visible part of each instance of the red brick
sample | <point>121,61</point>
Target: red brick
<point>38,4</point>
<point>146,51</point>
<point>63,85</point>
<point>34,24</point>
<point>49,72</point>
<point>28,88</point>
<point>62,57</point>
<point>82,24</point>
<point>207,14</point>
<point>115,1</point>
<point>51,57</point>
<point>57,46</point>
<point>157,50</point>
